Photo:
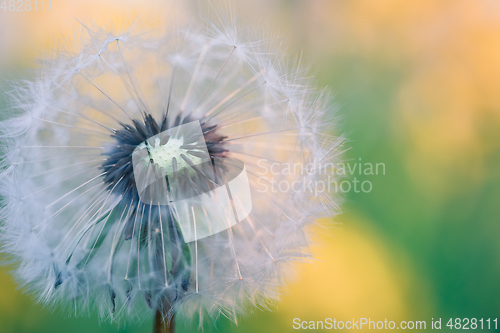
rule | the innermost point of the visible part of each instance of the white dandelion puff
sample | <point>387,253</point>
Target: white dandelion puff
<point>139,173</point>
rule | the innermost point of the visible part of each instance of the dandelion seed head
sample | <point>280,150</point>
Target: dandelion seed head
<point>202,111</point>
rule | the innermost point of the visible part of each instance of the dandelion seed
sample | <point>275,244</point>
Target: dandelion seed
<point>133,176</point>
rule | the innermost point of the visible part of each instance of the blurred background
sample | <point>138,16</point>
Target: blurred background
<point>417,84</point>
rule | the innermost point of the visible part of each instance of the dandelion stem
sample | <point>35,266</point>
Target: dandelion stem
<point>162,325</point>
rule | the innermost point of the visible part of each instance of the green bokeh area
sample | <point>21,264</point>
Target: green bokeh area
<point>450,240</point>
